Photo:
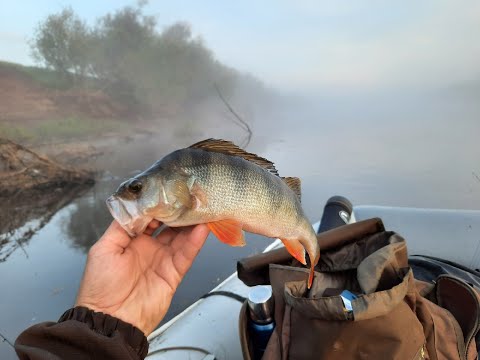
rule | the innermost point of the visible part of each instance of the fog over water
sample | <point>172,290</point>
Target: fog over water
<point>395,156</point>
<point>386,115</point>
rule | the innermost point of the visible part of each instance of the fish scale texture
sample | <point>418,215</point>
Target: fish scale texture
<point>244,191</point>
<point>195,185</point>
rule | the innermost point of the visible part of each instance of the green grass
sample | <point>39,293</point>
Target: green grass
<point>42,76</point>
<point>61,129</point>
<point>54,129</point>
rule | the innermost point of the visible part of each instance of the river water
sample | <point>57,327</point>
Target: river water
<point>417,156</point>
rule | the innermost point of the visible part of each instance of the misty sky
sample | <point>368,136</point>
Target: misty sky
<point>305,44</point>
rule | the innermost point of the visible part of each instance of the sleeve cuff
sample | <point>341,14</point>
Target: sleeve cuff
<point>109,326</point>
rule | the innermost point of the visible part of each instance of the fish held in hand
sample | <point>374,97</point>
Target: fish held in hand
<point>217,183</point>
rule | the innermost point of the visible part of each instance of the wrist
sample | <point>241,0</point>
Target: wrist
<point>111,311</point>
<point>109,326</point>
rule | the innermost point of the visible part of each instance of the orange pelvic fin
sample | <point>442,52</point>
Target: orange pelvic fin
<point>228,231</point>
<point>295,249</point>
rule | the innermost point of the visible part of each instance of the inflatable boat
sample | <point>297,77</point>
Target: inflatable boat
<point>208,329</point>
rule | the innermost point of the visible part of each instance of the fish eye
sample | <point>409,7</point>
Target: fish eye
<point>135,186</point>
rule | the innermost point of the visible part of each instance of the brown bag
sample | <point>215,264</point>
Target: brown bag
<point>394,316</point>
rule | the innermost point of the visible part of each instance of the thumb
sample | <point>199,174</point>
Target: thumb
<point>115,237</point>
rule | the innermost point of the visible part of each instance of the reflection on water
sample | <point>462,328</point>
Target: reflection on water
<point>22,215</point>
<point>89,218</point>
<point>426,160</point>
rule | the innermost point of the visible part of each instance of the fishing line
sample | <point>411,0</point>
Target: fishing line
<point>4,339</point>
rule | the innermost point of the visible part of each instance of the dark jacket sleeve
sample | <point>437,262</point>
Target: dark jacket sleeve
<point>81,333</point>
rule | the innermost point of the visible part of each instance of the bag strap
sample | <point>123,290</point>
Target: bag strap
<point>331,308</point>
<point>349,233</point>
<point>254,270</point>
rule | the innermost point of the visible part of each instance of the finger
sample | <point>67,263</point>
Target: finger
<point>115,236</point>
<point>166,235</point>
<point>184,233</point>
<point>189,244</point>
<point>175,230</point>
<point>152,226</point>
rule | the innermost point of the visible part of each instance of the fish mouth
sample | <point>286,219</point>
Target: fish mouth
<point>127,215</point>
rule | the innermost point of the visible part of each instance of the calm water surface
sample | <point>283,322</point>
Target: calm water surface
<point>428,160</point>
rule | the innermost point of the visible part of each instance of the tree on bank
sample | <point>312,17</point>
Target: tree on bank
<point>61,42</point>
<point>124,54</point>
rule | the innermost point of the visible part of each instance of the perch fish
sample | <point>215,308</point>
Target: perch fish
<point>219,184</point>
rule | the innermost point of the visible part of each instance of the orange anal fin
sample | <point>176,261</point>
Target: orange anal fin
<point>228,231</point>
<point>295,249</point>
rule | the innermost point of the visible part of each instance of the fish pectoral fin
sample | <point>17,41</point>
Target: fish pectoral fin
<point>228,231</point>
<point>198,195</point>
<point>296,249</point>
<point>182,193</point>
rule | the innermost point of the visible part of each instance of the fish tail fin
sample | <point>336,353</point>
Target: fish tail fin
<point>297,250</point>
<point>313,263</point>
<point>310,276</point>
<point>312,247</point>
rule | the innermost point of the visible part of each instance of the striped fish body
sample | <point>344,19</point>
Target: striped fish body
<point>226,188</point>
<point>230,187</point>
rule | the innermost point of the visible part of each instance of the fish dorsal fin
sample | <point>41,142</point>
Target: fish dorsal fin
<point>229,148</point>
<point>294,183</point>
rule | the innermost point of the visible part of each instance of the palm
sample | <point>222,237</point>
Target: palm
<point>129,278</point>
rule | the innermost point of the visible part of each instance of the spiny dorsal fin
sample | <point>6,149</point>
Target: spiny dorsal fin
<point>229,148</point>
<point>294,183</point>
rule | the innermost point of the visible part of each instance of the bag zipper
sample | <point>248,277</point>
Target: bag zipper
<point>421,353</point>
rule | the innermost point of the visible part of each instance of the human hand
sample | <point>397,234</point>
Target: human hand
<point>134,279</point>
